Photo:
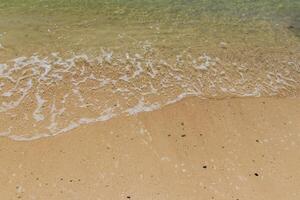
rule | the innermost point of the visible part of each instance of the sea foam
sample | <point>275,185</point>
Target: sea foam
<point>47,96</point>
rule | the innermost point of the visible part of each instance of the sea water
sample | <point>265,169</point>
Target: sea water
<point>66,63</point>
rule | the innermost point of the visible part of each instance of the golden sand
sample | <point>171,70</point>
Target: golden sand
<point>195,149</point>
<point>78,79</point>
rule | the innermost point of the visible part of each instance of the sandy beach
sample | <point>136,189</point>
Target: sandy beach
<point>239,149</point>
<point>149,100</point>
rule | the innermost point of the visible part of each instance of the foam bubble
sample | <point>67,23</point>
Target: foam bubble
<point>142,107</point>
<point>47,96</point>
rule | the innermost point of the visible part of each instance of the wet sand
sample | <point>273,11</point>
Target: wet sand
<point>240,149</point>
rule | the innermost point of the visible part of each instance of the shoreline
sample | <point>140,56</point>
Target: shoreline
<point>238,148</point>
<point>23,138</point>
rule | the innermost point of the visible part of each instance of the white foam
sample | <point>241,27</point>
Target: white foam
<point>142,107</point>
<point>7,94</point>
<point>37,114</point>
<point>205,62</point>
<point>86,90</point>
<point>5,106</point>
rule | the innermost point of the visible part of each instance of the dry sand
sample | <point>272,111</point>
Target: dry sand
<point>242,149</point>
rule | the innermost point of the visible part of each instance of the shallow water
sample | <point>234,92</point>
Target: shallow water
<point>68,63</point>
